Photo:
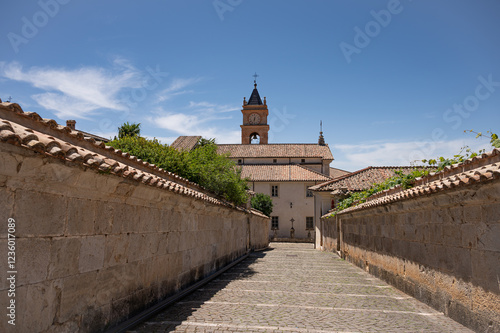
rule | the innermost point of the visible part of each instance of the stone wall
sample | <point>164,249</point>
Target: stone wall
<point>443,249</point>
<point>94,248</point>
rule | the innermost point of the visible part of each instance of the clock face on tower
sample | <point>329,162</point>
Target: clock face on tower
<point>254,118</point>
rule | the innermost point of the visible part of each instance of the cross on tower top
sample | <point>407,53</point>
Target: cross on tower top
<point>255,77</point>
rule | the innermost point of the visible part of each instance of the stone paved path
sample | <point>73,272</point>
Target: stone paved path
<point>294,288</point>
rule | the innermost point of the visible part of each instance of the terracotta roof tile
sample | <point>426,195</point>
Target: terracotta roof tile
<point>360,180</point>
<point>334,172</point>
<point>29,130</point>
<point>185,143</point>
<point>278,173</point>
<point>297,150</point>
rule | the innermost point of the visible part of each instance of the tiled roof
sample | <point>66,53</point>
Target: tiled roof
<point>360,180</point>
<point>300,150</point>
<point>280,173</point>
<point>185,143</point>
<point>45,136</point>
<point>478,170</point>
<point>334,172</point>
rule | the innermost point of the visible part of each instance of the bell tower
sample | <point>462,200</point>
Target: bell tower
<point>255,128</point>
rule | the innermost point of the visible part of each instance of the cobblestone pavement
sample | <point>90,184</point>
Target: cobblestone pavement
<point>294,288</point>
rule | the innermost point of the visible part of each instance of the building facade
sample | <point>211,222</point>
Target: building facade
<point>282,171</point>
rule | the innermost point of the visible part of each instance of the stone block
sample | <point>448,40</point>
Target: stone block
<point>452,235</point>
<point>7,204</point>
<point>116,249</point>
<point>488,237</point>
<point>176,221</point>
<point>81,216</point>
<point>64,257</point>
<point>456,214</point>
<point>91,253</point>
<point>491,213</point>
<point>110,285</point>
<point>416,252</point>
<point>124,218</point>
<point>142,246</point>
<point>173,239</point>
<point>78,293</point>
<point>468,235</point>
<point>436,233</point>
<point>147,220</point>
<point>164,272</point>
<point>486,270</point>
<point>429,257</point>
<point>32,260</point>
<point>472,214</point>
<point>148,272</point>
<point>39,214</point>
<point>165,220</point>
<point>137,249</point>
<point>444,259</point>
<point>462,265</point>
<point>42,307</point>
<point>162,243</point>
<point>104,212</point>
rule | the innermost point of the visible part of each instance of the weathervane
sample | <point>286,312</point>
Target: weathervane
<point>255,78</point>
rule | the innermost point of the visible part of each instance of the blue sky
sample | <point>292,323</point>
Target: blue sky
<point>392,81</point>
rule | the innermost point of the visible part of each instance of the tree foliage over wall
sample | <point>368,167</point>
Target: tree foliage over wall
<point>262,202</point>
<point>217,173</point>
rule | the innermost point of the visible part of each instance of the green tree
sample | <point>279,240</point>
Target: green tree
<point>129,130</point>
<point>202,165</point>
<point>262,202</point>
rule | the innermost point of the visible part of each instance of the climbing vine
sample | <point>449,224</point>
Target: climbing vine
<point>407,180</point>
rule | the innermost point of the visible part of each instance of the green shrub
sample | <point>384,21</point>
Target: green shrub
<point>217,173</point>
<point>262,202</point>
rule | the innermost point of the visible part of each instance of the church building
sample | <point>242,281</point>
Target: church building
<point>284,171</point>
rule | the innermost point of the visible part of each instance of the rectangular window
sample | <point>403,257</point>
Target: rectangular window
<point>275,160</point>
<point>309,193</point>
<point>274,190</point>
<point>239,161</point>
<point>275,225</point>
<point>309,223</point>
<point>303,160</point>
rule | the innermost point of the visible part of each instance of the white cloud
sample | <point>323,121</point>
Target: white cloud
<point>208,107</point>
<point>184,124</point>
<point>354,157</point>
<point>77,92</point>
<point>176,88</point>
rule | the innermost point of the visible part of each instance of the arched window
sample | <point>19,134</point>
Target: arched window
<point>254,138</point>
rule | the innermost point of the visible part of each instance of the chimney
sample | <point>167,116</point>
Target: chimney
<point>71,124</point>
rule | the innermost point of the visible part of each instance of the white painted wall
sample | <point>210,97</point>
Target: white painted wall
<point>302,206</point>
